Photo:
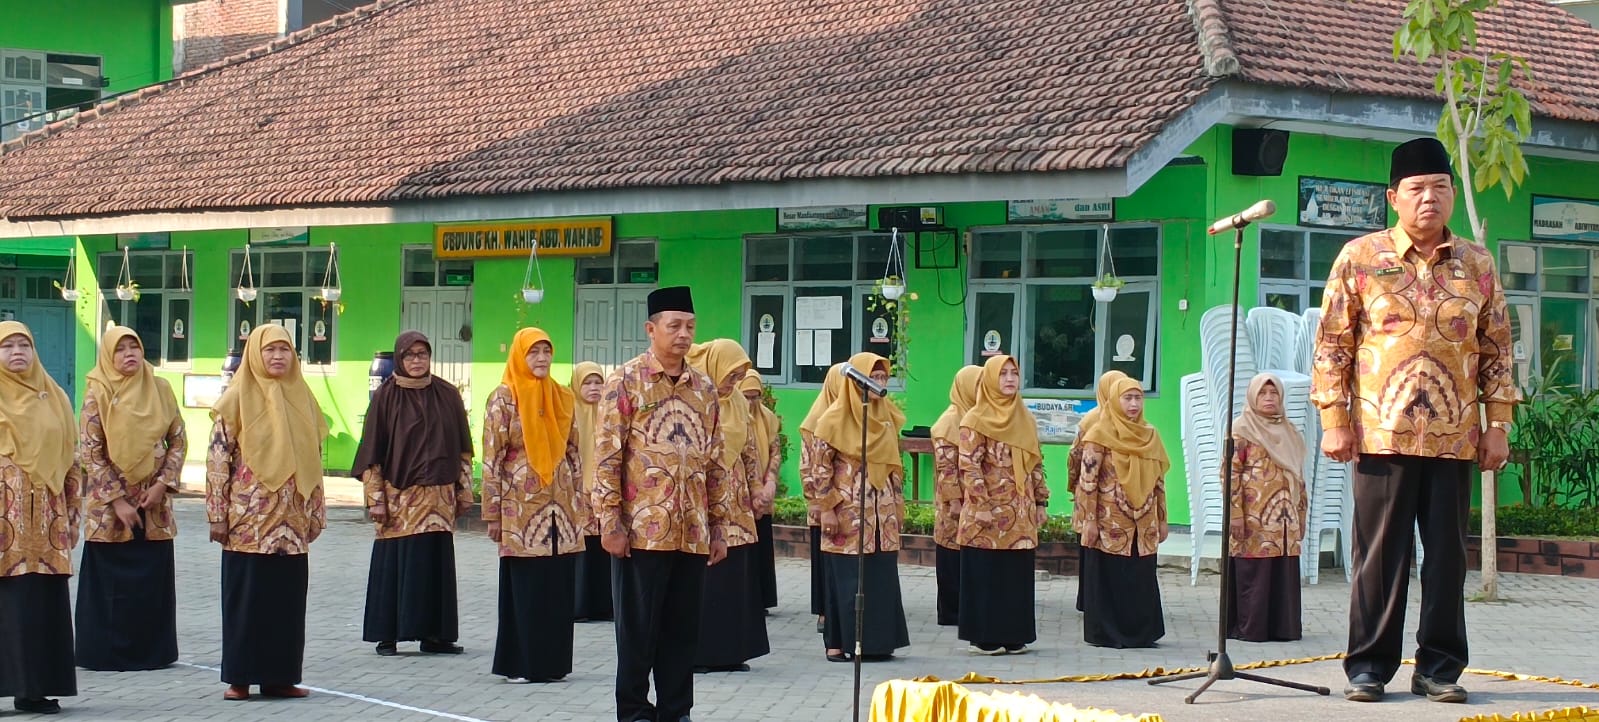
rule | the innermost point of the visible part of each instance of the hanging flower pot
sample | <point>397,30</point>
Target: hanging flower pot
<point>892,287</point>
<point>245,291</point>
<point>1108,284</point>
<point>331,292</point>
<point>1105,294</point>
<point>69,286</point>
<point>126,289</point>
<point>533,292</point>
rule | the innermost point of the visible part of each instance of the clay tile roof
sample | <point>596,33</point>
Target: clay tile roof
<point>1346,46</point>
<point>425,99</point>
<point>414,99</point>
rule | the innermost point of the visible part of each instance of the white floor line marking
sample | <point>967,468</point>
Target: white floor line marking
<point>359,697</point>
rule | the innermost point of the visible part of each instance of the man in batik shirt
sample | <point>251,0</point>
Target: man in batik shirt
<point>662,507</point>
<point>1414,336</point>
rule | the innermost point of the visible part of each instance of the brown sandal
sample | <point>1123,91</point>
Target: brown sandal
<point>237,693</point>
<point>289,692</point>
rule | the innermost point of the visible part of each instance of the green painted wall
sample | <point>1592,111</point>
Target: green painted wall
<point>134,37</point>
<point>705,250</point>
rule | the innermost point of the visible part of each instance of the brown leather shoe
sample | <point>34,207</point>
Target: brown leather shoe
<point>1436,690</point>
<point>289,692</point>
<point>237,693</point>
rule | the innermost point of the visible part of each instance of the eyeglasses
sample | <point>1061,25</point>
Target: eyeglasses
<point>424,355</point>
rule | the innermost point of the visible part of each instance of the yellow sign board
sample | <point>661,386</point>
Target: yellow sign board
<point>564,237</point>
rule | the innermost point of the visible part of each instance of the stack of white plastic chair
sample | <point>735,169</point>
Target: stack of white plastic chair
<point>1202,459</point>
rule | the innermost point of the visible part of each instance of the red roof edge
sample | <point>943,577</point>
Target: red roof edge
<point>332,24</point>
<point>1215,39</point>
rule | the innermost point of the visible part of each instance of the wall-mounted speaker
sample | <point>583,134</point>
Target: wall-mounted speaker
<point>1259,151</point>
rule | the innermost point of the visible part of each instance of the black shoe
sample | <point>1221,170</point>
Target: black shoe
<point>1364,687</point>
<point>38,705</point>
<point>1437,691</point>
<point>433,646</point>
<point>386,649</point>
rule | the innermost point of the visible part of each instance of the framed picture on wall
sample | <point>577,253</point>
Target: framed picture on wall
<point>1331,203</point>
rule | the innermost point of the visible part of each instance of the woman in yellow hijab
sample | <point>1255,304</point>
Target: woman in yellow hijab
<point>1004,502</point>
<point>766,428</point>
<point>133,443</point>
<point>837,468</point>
<point>732,620</point>
<point>593,579</point>
<point>534,511</point>
<point>1120,512</point>
<point>946,437</point>
<point>832,387</point>
<point>264,501</point>
<point>38,476</point>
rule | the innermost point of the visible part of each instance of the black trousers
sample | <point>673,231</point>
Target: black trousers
<point>1393,495</point>
<point>656,597</point>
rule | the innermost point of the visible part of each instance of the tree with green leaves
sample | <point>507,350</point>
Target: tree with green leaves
<point>1484,121</point>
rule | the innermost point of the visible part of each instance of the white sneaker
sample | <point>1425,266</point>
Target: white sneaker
<point>995,652</point>
<point>1022,649</point>
<point>518,680</point>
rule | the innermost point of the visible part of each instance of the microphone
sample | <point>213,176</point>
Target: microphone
<point>865,382</point>
<point>1250,215</point>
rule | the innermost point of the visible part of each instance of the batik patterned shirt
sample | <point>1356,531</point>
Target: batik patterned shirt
<point>260,521</point>
<point>1269,505</point>
<point>946,493</point>
<point>1409,346</point>
<point>1101,502</point>
<point>40,526</point>
<point>537,519</point>
<point>660,478</point>
<point>990,488</point>
<point>836,488</point>
<point>417,509</point>
<point>104,483</point>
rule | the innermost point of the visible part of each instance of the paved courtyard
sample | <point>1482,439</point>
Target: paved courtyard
<point>1546,628</point>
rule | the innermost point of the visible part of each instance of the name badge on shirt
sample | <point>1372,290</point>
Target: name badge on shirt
<point>1391,270</point>
<point>1458,274</point>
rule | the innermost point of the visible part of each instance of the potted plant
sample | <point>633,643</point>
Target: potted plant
<point>891,288</point>
<point>1106,287</point>
<point>245,291</point>
<point>126,289</point>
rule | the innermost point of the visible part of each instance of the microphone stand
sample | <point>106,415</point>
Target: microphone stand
<point>1221,665</point>
<point>860,548</point>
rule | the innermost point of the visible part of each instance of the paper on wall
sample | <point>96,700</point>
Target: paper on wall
<point>802,347</point>
<point>819,312</point>
<point>764,343</point>
<point>824,348</point>
<point>1521,259</point>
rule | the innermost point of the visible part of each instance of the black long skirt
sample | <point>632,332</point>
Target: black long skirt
<point>410,590</point>
<point>947,568</point>
<point>1263,600</point>
<point>885,629</point>
<point>732,620</point>
<point>127,611</point>
<point>996,597</point>
<point>36,637</point>
<point>593,582</point>
<point>535,634</point>
<point>766,562</point>
<point>1121,600</point>
<point>818,574</point>
<point>263,618</point>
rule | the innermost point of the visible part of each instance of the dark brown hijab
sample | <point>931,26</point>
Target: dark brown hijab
<point>416,429</point>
